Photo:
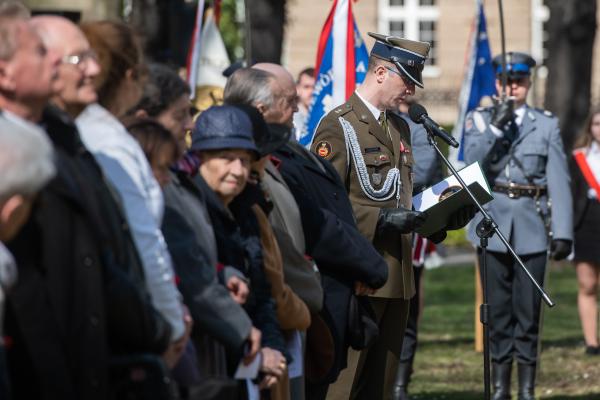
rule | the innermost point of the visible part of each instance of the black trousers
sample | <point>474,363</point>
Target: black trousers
<point>514,306</point>
<point>409,345</point>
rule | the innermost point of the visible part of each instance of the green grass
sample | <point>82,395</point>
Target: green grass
<point>447,366</point>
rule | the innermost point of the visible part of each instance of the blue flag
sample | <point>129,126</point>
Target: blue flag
<point>479,79</point>
<point>342,60</point>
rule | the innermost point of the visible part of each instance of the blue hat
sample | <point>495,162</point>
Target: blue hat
<point>223,127</point>
<point>518,65</point>
<point>408,55</point>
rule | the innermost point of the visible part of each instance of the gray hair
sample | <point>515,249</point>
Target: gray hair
<point>10,13</point>
<point>250,86</point>
<point>26,158</point>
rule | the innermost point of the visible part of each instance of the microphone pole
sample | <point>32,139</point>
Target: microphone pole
<point>485,230</point>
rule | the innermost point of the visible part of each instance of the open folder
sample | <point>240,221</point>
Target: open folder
<point>446,197</point>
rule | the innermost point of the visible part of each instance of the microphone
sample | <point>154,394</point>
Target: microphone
<point>418,114</point>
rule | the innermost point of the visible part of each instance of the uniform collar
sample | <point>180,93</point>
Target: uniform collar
<point>520,114</point>
<point>374,110</point>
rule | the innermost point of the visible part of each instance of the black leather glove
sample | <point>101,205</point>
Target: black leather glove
<point>461,218</point>
<point>502,113</point>
<point>560,249</point>
<point>438,237</point>
<point>399,219</point>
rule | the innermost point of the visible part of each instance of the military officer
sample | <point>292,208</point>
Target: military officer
<point>369,146</point>
<point>521,152</point>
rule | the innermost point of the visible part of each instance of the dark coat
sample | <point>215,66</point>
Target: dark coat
<point>79,297</point>
<point>238,243</point>
<point>213,310</point>
<point>342,254</point>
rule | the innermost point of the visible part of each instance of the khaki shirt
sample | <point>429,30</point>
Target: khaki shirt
<point>381,151</point>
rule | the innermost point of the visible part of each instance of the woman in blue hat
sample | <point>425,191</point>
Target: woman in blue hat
<point>223,141</point>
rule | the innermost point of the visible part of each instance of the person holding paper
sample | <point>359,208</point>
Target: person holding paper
<point>368,144</point>
<point>521,152</point>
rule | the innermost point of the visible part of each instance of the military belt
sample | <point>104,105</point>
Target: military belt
<point>514,191</point>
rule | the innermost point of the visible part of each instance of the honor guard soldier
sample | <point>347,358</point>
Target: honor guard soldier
<point>521,152</point>
<point>368,144</point>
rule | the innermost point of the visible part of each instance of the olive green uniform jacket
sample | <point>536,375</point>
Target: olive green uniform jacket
<point>381,151</point>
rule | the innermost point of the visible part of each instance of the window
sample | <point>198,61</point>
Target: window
<point>412,19</point>
<point>427,34</point>
<point>397,28</point>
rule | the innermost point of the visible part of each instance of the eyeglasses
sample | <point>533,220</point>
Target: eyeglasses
<point>80,60</point>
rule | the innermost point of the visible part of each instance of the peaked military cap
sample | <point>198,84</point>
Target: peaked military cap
<point>518,65</point>
<point>408,55</point>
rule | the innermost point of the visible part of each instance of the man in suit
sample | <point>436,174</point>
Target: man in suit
<point>368,144</point>
<point>521,152</point>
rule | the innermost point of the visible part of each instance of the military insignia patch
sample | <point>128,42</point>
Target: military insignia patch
<point>324,149</point>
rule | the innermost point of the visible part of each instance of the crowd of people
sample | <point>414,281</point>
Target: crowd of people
<point>149,253</point>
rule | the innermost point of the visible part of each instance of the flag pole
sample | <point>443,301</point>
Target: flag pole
<point>503,44</point>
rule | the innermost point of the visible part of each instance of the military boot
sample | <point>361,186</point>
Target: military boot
<point>501,381</point>
<point>526,382</point>
<point>400,391</point>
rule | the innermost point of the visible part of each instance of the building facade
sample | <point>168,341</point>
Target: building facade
<point>447,24</point>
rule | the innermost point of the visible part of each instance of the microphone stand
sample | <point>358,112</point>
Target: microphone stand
<point>485,229</point>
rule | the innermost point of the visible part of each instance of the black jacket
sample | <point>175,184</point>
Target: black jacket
<point>238,242</point>
<point>79,298</point>
<point>213,310</point>
<point>342,254</point>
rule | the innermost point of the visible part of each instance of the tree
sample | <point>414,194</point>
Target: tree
<point>267,19</point>
<point>571,32</point>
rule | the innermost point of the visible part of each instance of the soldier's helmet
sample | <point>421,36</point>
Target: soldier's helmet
<point>407,55</point>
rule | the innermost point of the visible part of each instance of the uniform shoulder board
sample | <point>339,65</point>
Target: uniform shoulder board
<point>547,113</point>
<point>342,109</point>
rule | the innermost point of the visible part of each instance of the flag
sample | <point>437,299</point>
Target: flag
<point>193,55</point>
<point>479,80</point>
<point>342,60</point>
<point>205,72</point>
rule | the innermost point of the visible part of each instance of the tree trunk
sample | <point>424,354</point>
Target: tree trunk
<point>267,19</point>
<point>571,30</point>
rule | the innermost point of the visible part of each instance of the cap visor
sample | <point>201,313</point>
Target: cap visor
<point>414,74</point>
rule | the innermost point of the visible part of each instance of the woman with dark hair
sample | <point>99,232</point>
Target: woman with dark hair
<point>166,98</point>
<point>585,173</point>
<point>119,87</point>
